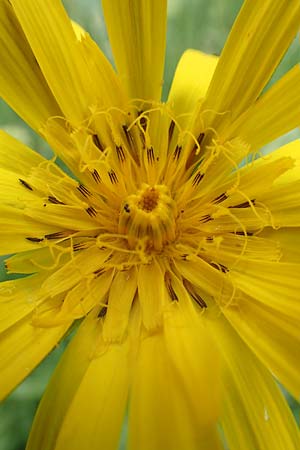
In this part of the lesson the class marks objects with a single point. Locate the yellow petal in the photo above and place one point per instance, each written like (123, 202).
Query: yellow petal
(288, 240)
(274, 114)
(15, 156)
(283, 203)
(137, 33)
(17, 299)
(174, 399)
(22, 347)
(20, 233)
(259, 38)
(251, 419)
(52, 39)
(22, 84)
(272, 335)
(190, 83)
(151, 293)
(121, 295)
(291, 150)
(84, 404)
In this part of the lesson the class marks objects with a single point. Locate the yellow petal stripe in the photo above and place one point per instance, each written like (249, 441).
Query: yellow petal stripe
(190, 83)
(86, 397)
(15, 156)
(53, 41)
(260, 36)
(174, 400)
(137, 33)
(274, 114)
(273, 337)
(22, 347)
(22, 84)
(257, 418)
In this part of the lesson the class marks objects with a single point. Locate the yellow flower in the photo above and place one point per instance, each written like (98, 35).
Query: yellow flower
(174, 244)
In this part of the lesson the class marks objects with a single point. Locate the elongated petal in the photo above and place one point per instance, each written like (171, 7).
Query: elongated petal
(22, 347)
(137, 32)
(15, 156)
(190, 83)
(288, 240)
(85, 400)
(53, 42)
(22, 84)
(259, 420)
(273, 115)
(151, 294)
(260, 36)
(174, 401)
(272, 335)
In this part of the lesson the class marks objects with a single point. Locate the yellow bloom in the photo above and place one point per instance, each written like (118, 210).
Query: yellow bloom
(181, 263)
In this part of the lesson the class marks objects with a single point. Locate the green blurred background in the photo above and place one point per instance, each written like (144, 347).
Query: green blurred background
(198, 24)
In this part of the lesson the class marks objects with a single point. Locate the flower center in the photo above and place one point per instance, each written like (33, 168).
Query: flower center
(148, 217)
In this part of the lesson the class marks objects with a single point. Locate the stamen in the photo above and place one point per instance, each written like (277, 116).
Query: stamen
(25, 184)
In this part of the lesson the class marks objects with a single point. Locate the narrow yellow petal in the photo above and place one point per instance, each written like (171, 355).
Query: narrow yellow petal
(15, 156)
(22, 347)
(22, 84)
(273, 336)
(17, 299)
(274, 114)
(20, 233)
(190, 83)
(288, 240)
(137, 33)
(52, 39)
(120, 298)
(283, 203)
(259, 38)
(151, 293)
(86, 398)
(251, 419)
(174, 400)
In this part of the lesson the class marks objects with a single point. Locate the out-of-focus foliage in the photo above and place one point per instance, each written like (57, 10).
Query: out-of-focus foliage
(195, 24)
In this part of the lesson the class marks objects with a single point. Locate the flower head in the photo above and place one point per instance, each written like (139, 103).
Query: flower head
(172, 242)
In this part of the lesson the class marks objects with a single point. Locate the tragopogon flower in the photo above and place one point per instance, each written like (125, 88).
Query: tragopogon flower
(173, 244)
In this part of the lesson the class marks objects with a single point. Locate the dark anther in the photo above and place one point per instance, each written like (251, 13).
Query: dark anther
(83, 190)
(54, 200)
(96, 176)
(25, 184)
(126, 208)
(243, 205)
(57, 235)
(220, 198)
(120, 153)
(97, 142)
(102, 312)
(91, 211)
(205, 218)
(243, 233)
(220, 267)
(150, 155)
(170, 288)
(113, 177)
(78, 246)
(171, 130)
(99, 272)
(34, 239)
(197, 178)
(177, 152)
(128, 136)
(194, 295)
